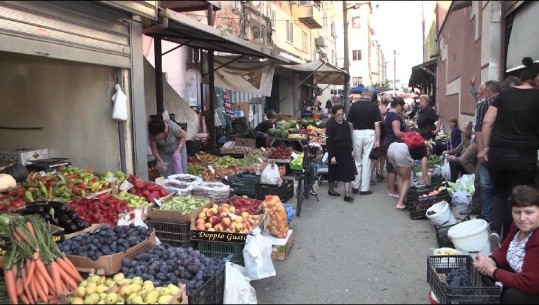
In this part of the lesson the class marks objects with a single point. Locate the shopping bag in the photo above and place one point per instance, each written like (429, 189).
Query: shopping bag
(413, 139)
(461, 198)
(177, 162)
(446, 170)
(257, 256)
(119, 110)
(238, 289)
(270, 175)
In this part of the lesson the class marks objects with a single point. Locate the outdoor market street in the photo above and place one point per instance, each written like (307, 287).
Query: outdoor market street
(364, 252)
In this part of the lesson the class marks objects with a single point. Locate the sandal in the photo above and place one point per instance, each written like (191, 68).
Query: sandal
(333, 193)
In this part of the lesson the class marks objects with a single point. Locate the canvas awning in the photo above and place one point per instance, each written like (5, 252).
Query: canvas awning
(423, 74)
(185, 30)
(323, 72)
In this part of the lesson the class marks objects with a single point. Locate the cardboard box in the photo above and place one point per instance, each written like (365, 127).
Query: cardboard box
(247, 142)
(280, 246)
(107, 264)
(155, 213)
(24, 156)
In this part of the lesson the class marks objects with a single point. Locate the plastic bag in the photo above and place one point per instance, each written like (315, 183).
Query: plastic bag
(119, 110)
(177, 162)
(257, 256)
(238, 289)
(290, 212)
(446, 170)
(270, 175)
(461, 198)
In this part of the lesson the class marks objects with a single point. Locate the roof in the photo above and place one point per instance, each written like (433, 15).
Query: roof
(323, 72)
(185, 30)
(424, 73)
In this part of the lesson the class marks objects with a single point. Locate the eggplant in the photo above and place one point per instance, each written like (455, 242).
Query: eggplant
(36, 209)
(58, 206)
(72, 214)
(64, 220)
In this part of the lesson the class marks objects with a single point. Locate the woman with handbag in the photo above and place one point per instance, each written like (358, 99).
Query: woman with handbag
(339, 147)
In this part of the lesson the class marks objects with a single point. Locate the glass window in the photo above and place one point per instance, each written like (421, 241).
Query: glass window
(356, 24)
(356, 55)
(290, 31)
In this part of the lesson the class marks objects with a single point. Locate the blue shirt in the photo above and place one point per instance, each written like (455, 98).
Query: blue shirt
(390, 135)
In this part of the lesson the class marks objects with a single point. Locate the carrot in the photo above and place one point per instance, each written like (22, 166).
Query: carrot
(69, 269)
(31, 228)
(30, 266)
(40, 268)
(55, 276)
(22, 235)
(33, 290)
(10, 277)
(54, 300)
(24, 299)
(19, 286)
(42, 283)
(41, 294)
(67, 279)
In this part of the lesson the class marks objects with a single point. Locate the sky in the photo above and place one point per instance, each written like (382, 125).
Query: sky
(397, 26)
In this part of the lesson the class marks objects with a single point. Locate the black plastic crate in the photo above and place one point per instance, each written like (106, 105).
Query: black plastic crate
(285, 191)
(221, 250)
(442, 237)
(242, 184)
(418, 206)
(212, 292)
(174, 233)
(481, 289)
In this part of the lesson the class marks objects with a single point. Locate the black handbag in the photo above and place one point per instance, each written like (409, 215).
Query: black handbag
(375, 154)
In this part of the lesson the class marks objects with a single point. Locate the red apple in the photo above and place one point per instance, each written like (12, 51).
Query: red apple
(215, 220)
(226, 221)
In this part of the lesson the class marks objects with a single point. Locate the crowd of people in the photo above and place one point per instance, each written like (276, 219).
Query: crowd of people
(500, 146)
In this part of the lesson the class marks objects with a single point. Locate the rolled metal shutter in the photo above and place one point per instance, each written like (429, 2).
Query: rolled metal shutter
(81, 31)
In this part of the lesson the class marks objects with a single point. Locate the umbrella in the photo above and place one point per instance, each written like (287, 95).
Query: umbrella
(357, 89)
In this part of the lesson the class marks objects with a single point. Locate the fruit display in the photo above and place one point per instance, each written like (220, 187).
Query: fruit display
(184, 205)
(118, 289)
(195, 169)
(297, 163)
(132, 199)
(119, 175)
(245, 204)
(297, 136)
(216, 191)
(102, 209)
(57, 213)
(261, 153)
(163, 265)
(433, 192)
(280, 153)
(206, 158)
(225, 162)
(148, 190)
(278, 225)
(235, 150)
(226, 218)
(105, 241)
(12, 200)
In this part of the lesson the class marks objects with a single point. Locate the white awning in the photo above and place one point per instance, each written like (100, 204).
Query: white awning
(323, 72)
(523, 41)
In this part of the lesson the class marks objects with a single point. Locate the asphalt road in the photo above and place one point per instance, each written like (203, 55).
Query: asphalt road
(361, 252)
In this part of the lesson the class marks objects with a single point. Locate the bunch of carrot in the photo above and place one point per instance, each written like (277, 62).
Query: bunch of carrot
(35, 268)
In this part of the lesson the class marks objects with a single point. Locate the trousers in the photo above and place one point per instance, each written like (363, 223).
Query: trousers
(363, 143)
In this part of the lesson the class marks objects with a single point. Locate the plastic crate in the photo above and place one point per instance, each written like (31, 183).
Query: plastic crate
(220, 250)
(285, 191)
(442, 237)
(481, 289)
(418, 206)
(174, 233)
(242, 184)
(212, 292)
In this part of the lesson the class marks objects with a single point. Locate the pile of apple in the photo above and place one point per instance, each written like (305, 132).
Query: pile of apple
(433, 192)
(226, 218)
(148, 190)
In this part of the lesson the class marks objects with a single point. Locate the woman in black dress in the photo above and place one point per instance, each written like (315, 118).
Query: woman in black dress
(339, 146)
(428, 121)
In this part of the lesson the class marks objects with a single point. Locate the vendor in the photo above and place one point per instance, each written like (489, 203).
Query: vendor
(262, 128)
(167, 141)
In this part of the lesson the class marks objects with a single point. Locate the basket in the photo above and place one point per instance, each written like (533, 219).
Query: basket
(480, 289)
(174, 233)
(212, 292)
(285, 191)
(220, 250)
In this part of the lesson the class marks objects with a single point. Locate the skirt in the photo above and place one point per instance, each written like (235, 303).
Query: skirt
(345, 169)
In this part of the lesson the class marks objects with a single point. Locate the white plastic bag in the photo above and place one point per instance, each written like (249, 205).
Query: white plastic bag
(238, 289)
(257, 256)
(270, 175)
(461, 198)
(446, 170)
(119, 111)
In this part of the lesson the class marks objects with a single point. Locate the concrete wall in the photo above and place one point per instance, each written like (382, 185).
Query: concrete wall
(70, 101)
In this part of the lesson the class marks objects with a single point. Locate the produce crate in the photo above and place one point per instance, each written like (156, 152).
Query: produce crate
(480, 290)
(174, 233)
(285, 191)
(212, 292)
(442, 237)
(418, 206)
(220, 250)
(242, 184)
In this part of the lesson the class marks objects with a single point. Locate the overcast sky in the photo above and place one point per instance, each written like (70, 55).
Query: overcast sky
(397, 25)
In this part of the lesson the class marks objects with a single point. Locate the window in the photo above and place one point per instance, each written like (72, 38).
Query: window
(356, 55)
(305, 42)
(305, 3)
(272, 18)
(235, 5)
(356, 81)
(356, 24)
(290, 31)
(333, 32)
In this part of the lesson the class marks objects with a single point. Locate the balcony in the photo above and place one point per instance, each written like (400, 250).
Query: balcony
(309, 14)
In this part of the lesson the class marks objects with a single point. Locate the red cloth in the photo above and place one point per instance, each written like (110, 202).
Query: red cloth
(528, 279)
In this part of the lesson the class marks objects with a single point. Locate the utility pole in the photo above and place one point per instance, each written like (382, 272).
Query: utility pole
(346, 102)
(394, 72)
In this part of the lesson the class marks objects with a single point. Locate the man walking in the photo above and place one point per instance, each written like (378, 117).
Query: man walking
(365, 117)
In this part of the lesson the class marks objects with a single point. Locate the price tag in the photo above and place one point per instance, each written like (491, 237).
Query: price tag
(211, 169)
(158, 202)
(126, 186)
(42, 173)
(294, 155)
(260, 159)
(111, 179)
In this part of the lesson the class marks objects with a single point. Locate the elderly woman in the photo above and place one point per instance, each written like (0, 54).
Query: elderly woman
(428, 121)
(516, 262)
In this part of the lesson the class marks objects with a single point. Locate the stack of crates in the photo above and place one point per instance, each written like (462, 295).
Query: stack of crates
(174, 233)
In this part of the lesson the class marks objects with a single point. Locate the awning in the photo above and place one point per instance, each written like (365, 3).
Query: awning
(185, 30)
(523, 41)
(323, 72)
(423, 74)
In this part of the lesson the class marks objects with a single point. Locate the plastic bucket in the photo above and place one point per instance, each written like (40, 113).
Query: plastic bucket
(470, 236)
(443, 216)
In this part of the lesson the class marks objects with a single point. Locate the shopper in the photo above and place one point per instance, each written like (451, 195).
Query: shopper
(365, 118)
(167, 141)
(511, 137)
(379, 164)
(516, 262)
(428, 121)
(453, 155)
(394, 126)
(339, 147)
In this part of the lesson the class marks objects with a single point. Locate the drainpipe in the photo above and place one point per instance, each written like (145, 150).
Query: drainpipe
(495, 38)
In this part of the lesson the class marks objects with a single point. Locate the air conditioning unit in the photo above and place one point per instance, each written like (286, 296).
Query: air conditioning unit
(320, 42)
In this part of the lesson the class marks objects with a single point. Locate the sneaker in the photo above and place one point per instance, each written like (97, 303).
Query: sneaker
(349, 199)
(494, 240)
(469, 211)
(365, 193)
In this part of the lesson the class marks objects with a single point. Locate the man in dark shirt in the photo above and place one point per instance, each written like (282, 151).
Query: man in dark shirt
(262, 128)
(365, 117)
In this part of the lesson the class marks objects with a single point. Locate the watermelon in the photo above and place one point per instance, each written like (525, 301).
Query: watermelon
(274, 132)
(284, 134)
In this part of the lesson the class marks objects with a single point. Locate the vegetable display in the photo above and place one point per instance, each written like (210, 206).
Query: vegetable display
(163, 264)
(14, 199)
(280, 152)
(105, 241)
(184, 205)
(132, 199)
(102, 209)
(147, 190)
(245, 204)
(58, 214)
(35, 269)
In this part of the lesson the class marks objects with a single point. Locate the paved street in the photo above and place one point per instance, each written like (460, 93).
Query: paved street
(364, 252)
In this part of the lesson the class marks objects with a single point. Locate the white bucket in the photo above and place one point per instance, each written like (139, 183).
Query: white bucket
(443, 216)
(470, 236)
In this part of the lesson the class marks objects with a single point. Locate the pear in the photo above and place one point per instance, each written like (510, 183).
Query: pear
(173, 289)
(163, 290)
(102, 288)
(91, 288)
(84, 283)
(151, 297)
(137, 280)
(137, 300)
(77, 300)
(118, 277)
(147, 283)
(129, 299)
(164, 299)
(110, 282)
(135, 288)
(102, 280)
(102, 296)
(94, 279)
(125, 290)
(91, 299)
(80, 292)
